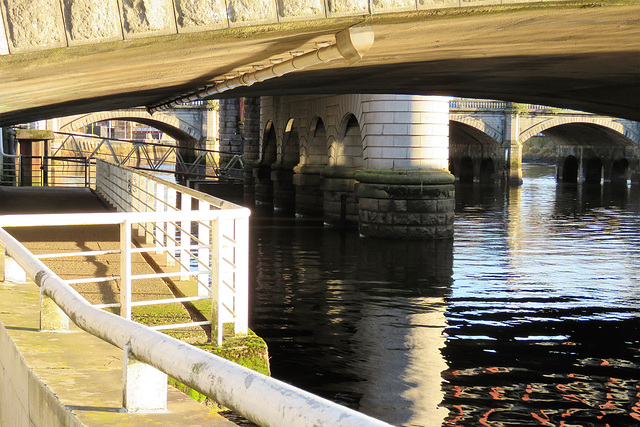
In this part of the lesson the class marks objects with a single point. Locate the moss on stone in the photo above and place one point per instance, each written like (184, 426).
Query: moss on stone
(248, 350)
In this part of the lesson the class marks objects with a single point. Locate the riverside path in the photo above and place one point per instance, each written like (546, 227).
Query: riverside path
(82, 371)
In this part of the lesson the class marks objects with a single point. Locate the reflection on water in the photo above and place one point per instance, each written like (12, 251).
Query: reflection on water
(531, 315)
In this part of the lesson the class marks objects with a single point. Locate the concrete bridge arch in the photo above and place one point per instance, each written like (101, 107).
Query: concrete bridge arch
(185, 133)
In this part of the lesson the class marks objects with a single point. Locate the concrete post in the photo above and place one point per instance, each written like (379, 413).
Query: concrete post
(512, 146)
(52, 318)
(406, 189)
(145, 387)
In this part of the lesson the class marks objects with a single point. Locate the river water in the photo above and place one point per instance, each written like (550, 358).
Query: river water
(530, 315)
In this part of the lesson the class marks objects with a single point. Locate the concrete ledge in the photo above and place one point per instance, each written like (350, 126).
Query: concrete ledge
(69, 379)
(408, 177)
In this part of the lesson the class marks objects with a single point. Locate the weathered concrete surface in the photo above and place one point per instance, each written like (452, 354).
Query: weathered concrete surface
(581, 55)
(78, 370)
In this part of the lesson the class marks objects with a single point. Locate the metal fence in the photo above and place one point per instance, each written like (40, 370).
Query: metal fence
(192, 229)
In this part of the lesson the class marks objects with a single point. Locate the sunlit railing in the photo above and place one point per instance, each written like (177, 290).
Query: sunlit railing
(185, 163)
(187, 226)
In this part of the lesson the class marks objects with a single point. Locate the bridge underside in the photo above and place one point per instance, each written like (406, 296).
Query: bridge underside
(565, 55)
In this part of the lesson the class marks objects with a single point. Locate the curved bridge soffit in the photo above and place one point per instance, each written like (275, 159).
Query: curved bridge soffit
(608, 123)
(479, 125)
(171, 125)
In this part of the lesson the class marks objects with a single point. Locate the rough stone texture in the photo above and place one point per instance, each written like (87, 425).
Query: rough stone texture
(293, 8)
(142, 16)
(196, 13)
(434, 4)
(391, 5)
(406, 211)
(347, 6)
(91, 19)
(251, 10)
(34, 23)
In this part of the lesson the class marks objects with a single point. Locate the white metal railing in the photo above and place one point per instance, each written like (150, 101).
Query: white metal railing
(179, 229)
(261, 399)
(201, 235)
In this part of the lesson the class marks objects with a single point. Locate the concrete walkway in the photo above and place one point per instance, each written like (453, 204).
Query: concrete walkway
(84, 372)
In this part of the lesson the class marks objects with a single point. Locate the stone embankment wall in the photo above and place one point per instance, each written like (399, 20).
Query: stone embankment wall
(24, 399)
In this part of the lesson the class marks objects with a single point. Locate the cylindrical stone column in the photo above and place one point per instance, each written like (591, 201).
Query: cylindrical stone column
(406, 190)
(250, 141)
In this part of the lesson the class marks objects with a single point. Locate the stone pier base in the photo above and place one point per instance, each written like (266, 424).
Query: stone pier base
(340, 203)
(284, 192)
(309, 195)
(406, 204)
(263, 187)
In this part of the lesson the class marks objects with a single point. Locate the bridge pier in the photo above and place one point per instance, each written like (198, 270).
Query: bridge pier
(307, 180)
(406, 189)
(512, 146)
(339, 200)
(596, 164)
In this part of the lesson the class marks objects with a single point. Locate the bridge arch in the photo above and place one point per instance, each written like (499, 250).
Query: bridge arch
(474, 155)
(601, 122)
(479, 125)
(183, 132)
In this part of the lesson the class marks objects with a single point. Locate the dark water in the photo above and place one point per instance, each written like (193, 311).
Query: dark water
(529, 316)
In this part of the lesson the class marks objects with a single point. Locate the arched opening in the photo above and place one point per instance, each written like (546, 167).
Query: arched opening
(263, 186)
(487, 170)
(348, 149)
(570, 169)
(469, 145)
(465, 173)
(290, 150)
(619, 171)
(593, 171)
(269, 150)
(284, 193)
(308, 179)
(316, 153)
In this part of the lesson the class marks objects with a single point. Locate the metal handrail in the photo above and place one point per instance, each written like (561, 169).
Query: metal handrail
(261, 399)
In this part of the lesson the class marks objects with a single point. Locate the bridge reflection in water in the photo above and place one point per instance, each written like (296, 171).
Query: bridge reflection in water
(531, 315)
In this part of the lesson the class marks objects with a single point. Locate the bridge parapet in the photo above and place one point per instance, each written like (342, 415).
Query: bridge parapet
(47, 24)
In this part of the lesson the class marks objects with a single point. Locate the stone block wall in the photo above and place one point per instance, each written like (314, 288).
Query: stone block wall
(44, 24)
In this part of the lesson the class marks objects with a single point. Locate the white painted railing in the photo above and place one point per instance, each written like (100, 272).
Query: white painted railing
(213, 246)
(157, 219)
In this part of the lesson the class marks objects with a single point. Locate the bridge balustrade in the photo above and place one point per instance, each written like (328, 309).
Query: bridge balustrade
(187, 226)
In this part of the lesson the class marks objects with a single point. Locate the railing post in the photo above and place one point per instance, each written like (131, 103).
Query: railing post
(185, 240)
(145, 387)
(125, 269)
(52, 318)
(204, 238)
(241, 300)
(216, 260)
(150, 206)
(171, 228)
(160, 227)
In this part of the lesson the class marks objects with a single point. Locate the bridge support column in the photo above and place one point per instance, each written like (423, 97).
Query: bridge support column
(307, 180)
(406, 190)
(340, 203)
(513, 147)
(284, 192)
(263, 186)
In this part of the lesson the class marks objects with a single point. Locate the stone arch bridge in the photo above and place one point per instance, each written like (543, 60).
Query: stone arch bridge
(325, 155)
(191, 125)
(486, 135)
